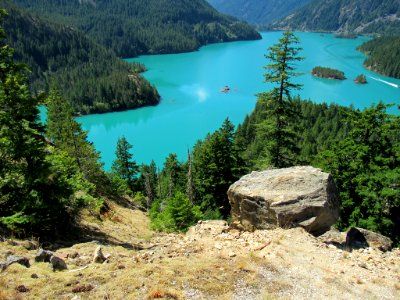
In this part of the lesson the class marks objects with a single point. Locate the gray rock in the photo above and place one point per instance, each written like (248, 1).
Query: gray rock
(57, 264)
(12, 259)
(43, 255)
(362, 238)
(18, 259)
(297, 196)
(98, 256)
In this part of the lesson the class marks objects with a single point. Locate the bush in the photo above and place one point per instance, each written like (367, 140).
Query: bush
(178, 214)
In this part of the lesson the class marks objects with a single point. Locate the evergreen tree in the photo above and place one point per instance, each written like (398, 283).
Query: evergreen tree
(366, 169)
(32, 198)
(190, 182)
(277, 128)
(217, 165)
(150, 180)
(67, 134)
(172, 170)
(178, 214)
(124, 166)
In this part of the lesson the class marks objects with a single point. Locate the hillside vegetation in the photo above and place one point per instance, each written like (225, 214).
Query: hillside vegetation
(91, 77)
(359, 16)
(383, 55)
(258, 12)
(132, 28)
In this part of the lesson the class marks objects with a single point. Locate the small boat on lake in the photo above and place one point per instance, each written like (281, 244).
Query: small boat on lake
(225, 89)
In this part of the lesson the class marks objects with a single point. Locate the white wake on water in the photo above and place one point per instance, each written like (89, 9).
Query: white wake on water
(384, 81)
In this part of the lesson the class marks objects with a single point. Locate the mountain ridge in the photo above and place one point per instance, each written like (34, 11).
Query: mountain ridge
(145, 26)
(353, 16)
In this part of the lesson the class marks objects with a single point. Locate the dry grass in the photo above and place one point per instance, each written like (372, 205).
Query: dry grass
(175, 266)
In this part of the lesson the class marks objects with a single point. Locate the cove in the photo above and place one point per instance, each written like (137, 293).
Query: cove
(193, 105)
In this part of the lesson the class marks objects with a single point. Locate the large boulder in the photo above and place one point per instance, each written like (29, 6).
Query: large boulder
(297, 196)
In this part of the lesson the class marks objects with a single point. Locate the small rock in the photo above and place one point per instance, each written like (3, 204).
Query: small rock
(232, 254)
(57, 264)
(43, 255)
(34, 276)
(363, 265)
(73, 255)
(98, 256)
(22, 289)
(83, 288)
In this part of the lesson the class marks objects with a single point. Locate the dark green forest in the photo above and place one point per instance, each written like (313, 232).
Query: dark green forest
(131, 28)
(91, 77)
(383, 55)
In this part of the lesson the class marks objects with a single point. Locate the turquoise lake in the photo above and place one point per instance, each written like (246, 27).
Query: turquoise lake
(192, 102)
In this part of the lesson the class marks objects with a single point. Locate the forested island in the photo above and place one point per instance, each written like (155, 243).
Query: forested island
(361, 79)
(328, 73)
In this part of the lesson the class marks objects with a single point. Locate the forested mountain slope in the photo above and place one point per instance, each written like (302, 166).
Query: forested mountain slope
(358, 16)
(132, 28)
(258, 12)
(384, 55)
(93, 78)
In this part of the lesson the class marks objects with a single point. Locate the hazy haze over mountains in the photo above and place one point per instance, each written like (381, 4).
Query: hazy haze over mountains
(258, 12)
(358, 16)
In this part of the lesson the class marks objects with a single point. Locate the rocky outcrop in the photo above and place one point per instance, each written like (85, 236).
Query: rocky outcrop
(298, 196)
(362, 238)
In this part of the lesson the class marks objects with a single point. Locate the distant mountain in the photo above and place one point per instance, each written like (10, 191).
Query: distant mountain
(137, 27)
(348, 16)
(258, 12)
(93, 78)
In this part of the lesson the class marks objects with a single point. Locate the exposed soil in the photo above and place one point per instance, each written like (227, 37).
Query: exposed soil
(210, 261)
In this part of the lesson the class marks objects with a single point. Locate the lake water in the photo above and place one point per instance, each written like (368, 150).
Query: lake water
(193, 105)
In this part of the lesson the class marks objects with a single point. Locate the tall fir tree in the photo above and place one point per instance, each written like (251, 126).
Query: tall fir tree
(190, 181)
(366, 168)
(32, 200)
(124, 165)
(149, 176)
(278, 127)
(217, 165)
(67, 134)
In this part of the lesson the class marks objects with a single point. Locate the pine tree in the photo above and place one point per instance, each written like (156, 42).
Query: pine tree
(31, 196)
(150, 177)
(217, 165)
(67, 134)
(366, 169)
(124, 166)
(281, 112)
(190, 182)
